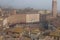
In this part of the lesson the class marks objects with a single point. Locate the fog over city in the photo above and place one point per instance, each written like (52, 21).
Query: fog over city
(38, 4)
(29, 19)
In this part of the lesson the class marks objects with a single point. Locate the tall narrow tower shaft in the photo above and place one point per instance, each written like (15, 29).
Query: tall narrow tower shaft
(54, 8)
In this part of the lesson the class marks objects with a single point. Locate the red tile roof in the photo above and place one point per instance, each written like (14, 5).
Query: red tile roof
(56, 22)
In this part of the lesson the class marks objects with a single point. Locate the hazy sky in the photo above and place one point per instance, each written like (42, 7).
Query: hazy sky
(40, 4)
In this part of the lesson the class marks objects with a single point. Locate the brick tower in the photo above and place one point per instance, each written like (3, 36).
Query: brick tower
(54, 8)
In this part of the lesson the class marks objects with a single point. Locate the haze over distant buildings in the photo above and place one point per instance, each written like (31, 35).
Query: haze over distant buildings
(39, 4)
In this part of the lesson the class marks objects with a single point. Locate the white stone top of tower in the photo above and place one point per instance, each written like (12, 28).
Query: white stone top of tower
(54, 0)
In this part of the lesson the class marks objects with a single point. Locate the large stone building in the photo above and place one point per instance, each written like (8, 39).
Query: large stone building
(23, 18)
